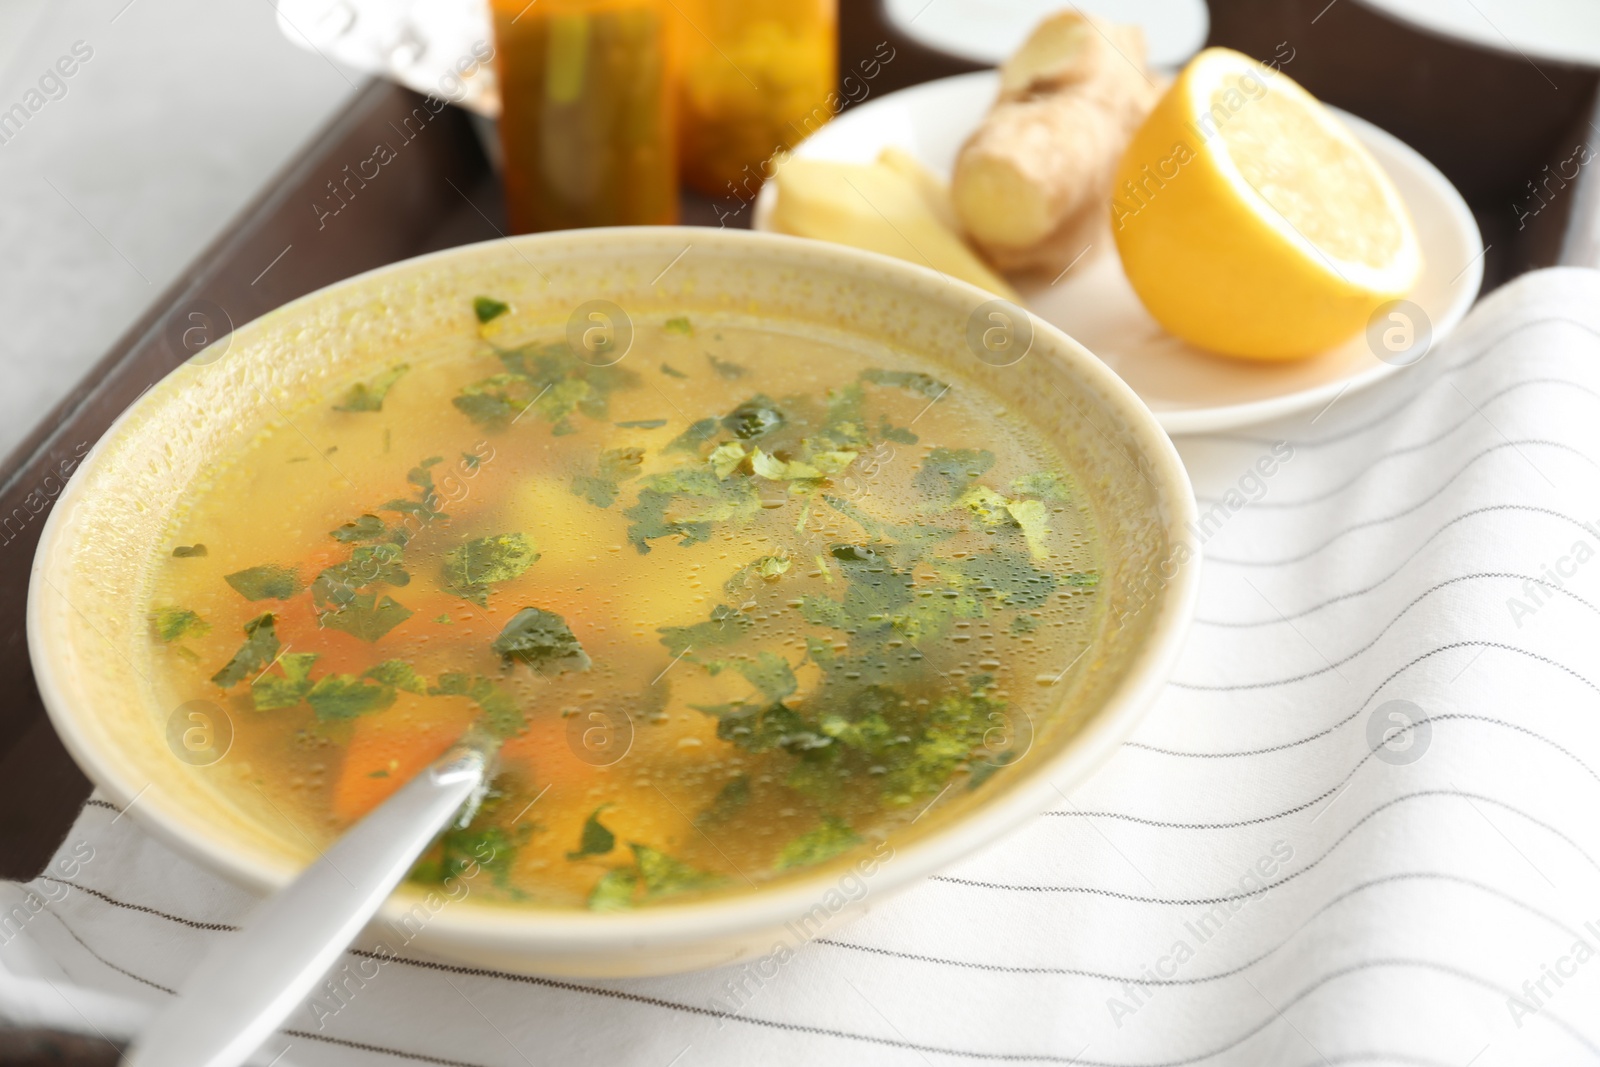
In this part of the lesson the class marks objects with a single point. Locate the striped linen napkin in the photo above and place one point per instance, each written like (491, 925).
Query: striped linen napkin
(1360, 827)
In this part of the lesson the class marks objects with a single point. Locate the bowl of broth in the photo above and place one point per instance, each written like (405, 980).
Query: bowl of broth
(787, 575)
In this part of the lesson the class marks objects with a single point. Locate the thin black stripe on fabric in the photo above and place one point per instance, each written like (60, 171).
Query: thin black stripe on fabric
(1362, 706)
(872, 1039)
(1145, 980)
(1276, 619)
(1408, 399)
(1267, 887)
(1267, 504)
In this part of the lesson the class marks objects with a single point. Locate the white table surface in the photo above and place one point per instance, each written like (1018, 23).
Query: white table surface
(182, 114)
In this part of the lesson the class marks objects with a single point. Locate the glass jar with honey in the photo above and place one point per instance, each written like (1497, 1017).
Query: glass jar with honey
(586, 114)
(756, 77)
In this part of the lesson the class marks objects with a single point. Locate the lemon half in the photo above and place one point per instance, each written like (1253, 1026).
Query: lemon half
(1250, 220)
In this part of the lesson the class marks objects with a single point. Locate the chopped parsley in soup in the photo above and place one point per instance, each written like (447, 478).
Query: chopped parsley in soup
(739, 604)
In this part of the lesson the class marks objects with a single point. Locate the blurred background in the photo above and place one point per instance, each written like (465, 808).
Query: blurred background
(188, 110)
(184, 112)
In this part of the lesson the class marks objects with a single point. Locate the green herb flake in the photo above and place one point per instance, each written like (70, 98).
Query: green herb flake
(769, 672)
(900, 435)
(988, 506)
(174, 624)
(615, 466)
(767, 568)
(845, 425)
(547, 379)
(495, 401)
(731, 800)
(614, 891)
(760, 729)
(664, 876)
(729, 371)
(873, 527)
(472, 568)
(366, 528)
(754, 418)
(595, 840)
(270, 691)
(1048, 486)
(462, 852)
(818, 846)
(727, 458)
(672, 372)
(1005, 577)
(368, 396)
(501, 714)
(909, 380)
(817, 466)
(725, 626)
(540, 638)
(1034, 519)
(266, 582)
(954, 729)
(336, 697)
(487, 309)
(398, 673)
(423, 510)
(366, 616)
(691, 439)
(643, 424)
(188, 551)
(368, 565)
(260, 648)
(680, 325)
(947, 472)
(685, 503)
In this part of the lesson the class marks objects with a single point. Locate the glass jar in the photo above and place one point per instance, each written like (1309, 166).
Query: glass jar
(756, 77)
(586, 114)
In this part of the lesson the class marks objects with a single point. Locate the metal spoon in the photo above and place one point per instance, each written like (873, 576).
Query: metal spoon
(249, 984)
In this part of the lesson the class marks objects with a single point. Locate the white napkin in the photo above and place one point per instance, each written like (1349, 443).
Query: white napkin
(1255, 878)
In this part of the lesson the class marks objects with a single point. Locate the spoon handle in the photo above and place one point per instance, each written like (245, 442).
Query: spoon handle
(244, 989)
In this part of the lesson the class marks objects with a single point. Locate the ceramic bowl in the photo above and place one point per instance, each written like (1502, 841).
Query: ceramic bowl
(87, 621)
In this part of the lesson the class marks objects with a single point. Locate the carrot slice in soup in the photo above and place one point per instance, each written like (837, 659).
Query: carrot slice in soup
(386, 752)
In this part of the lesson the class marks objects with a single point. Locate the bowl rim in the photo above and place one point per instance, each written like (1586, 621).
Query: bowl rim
(503, 927)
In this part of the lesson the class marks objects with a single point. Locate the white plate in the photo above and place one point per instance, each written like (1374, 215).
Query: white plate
(986, 31)
(1190, 390)
(1565, 31)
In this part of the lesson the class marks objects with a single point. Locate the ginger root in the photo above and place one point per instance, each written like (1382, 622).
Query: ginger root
(1032, 183)
(892, 206)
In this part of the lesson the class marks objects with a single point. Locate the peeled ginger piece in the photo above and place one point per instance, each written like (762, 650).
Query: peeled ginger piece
(934, 189)
(893, 206)
(1033, 183)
